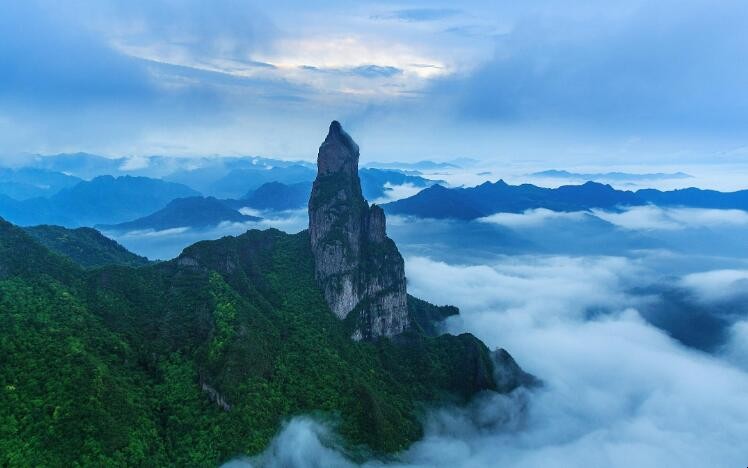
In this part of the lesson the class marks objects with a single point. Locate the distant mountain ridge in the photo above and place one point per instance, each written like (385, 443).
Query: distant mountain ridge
(424, 165)
(277, 196)
(611, 176)
(489, 198)
(102, 200)
(28, 182)
(238, 181)
(191, 212)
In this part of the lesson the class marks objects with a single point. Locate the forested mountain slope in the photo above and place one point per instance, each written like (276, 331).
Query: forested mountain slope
(195, 360)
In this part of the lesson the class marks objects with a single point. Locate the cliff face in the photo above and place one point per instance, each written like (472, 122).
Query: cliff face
(358, 267)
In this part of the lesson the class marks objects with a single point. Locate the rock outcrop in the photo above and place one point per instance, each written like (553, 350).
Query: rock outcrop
(508, 375)
(359, 268)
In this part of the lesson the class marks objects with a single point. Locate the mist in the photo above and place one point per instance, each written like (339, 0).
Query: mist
(169, 243)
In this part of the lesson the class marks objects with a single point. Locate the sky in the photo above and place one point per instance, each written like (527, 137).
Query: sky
(572, 82)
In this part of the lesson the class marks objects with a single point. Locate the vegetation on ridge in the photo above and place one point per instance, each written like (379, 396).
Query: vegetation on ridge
(199, 359)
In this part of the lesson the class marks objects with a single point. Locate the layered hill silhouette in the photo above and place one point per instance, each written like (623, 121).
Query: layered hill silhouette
(489, 198)
(375, 184)
(192, 212)
(105, 199)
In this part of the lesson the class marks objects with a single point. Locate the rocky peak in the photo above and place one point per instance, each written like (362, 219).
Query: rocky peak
(338, 153)
(358, 267)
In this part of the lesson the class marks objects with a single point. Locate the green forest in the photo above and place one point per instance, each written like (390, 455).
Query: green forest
(200, 359)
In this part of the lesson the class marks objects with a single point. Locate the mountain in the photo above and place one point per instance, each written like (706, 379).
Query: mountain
(374, 182)
(437, 202)
(489, 198)
(103, 200)
(277, 196)
(192, 212)
(241, 180)
(83, 165)
(85, 246)
(25, 183)
(207, 173)
(610, 176)
(193, 361)
(696, 198)
(359, 268)
(424, 165)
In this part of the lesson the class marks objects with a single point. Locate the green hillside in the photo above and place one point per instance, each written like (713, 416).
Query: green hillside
(196, 360)
(85, 246)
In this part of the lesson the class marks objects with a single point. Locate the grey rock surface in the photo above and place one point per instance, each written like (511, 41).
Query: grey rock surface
(358, 267)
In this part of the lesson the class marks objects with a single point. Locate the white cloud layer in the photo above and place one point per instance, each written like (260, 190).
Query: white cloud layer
(717, 285)
(657, 218)
(736, 348)
(635, 218)
(396, 192)
(531, 218)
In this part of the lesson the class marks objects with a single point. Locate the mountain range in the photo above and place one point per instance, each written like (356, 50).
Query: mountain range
(28, 182)
(488, 198)
(192, 212)
(102, 200)
(610, 176)
(43, 195)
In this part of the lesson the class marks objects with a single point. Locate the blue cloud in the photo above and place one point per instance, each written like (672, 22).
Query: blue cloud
(365, 71)
(45, 60)
(372, 71)
(420, 14)
(669, 65)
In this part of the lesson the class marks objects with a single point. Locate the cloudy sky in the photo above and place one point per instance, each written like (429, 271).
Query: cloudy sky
(572, 81)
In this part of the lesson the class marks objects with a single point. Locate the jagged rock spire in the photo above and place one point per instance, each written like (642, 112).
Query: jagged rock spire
(338, 153)
(358, 267)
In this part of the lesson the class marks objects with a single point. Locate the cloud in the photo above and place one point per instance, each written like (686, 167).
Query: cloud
(717, 285)
(365, 71)
(135, 163)
(656, 218)
(314, 446)
(420, 14)
(291, 221)
(396, 192)
(48, 60)
(638, 218)
(616, 386)
(167, 244)
(641, 65)
(146, 77)
(375, 71)
(154, 233)
(736, 347)
(531, 218)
